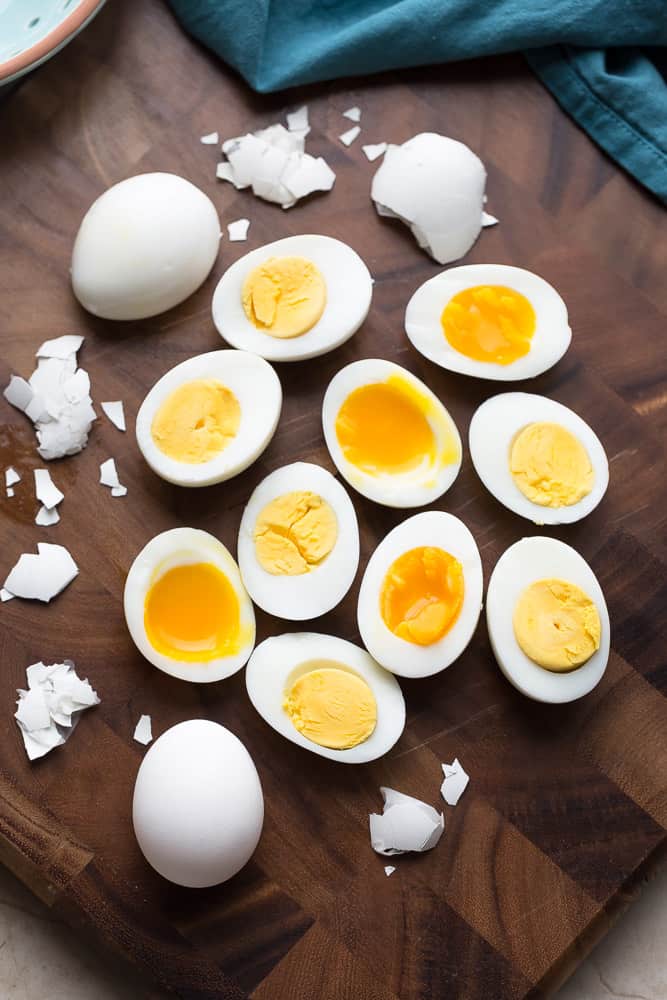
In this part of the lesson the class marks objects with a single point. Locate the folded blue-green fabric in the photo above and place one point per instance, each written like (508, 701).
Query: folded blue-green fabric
(604, 60)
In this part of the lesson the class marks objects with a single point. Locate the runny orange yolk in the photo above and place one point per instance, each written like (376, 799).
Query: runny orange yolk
(191, 613)
(489, 323)
(422, 594)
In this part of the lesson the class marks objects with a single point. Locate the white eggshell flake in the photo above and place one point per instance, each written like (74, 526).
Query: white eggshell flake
(352, 114)
(347, 138)
(310, 594)
(48, 711)
(373, 151)
(406, 824)
(434, 185)
(41, 577)
(455, 783)
(237, 231)
(257, 389)
(524, 563)
(115, 412)
(550, 341)
(493, 428)
(11, 477)
(278, 662)
(408, 659)
(143, 732)
(349, 288)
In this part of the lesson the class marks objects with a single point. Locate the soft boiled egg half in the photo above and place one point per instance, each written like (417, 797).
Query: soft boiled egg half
(327, 695)
(490, 321)
(298, 543)
(209, 418)
(548, 621)
(186, 607)
(538, 458)
(389, 435)
(293, 299)
(421, 595)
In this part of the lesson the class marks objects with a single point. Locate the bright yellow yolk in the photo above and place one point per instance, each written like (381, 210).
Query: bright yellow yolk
(196, 421)
(191, 613)
(557, 625)
(422, 595)
(550, 465)
(294, 533)
(284, 296)
(332, 706)
(489, 323)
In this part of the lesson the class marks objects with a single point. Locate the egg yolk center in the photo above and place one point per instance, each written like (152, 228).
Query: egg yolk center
(422, 594)
(191, 613)
(196, 421)
(284, 296)
(557, 625)
(489, 323)
(550, 465)
(294, 533)
(332, 706)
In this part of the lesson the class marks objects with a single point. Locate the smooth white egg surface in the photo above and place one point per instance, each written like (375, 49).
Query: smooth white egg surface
(523, 564)
(298, 546)
(144, 246)
(389, 436)
(567, 490)
(287, 678)
(186, 607)
(421, 595)
(293, 299)
(198, 807)
(490, 321)
(209, 418)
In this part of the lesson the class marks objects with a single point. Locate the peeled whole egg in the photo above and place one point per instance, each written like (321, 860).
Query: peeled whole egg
(198, 807)
(490, 321)
(144, 246)
(293, 299)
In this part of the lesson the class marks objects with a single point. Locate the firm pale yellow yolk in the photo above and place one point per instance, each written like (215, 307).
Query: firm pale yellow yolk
(557, 625)
(294, 533)
(550, 465)
(196, 421)
(284, 296)
(332, 707)
(422, 594)
(191, 613)
(489, 323)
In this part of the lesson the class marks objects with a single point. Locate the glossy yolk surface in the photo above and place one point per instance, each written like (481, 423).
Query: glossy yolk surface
(294, 533)
(191, 613)
(422, 594)
(489, 323)
(332, 706)
(550, 465)
(196, 421)
(557, 625)
(284, 296)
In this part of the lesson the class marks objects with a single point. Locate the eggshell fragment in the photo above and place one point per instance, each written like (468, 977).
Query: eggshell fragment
(354, 114)
(212, 139)
(347, 138)
(389, 870)
(46, 516)
(238, 230)
(11, 477)
(41, 577)
(406, 824)
(143, 732)
(10, 492)
(115, 412)
(46, 490)
(297, 121)
(455, 783)
(48, 710)
(373, 151)
(109, 477)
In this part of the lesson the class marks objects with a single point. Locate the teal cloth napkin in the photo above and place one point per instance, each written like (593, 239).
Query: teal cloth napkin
(603, 60)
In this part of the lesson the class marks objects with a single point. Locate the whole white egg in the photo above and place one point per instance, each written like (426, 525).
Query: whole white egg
(144, 246)
(198, 807)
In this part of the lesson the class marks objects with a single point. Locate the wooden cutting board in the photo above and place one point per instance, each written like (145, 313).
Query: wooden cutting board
(567, 806)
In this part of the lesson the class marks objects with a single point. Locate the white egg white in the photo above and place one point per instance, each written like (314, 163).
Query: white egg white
(181, 547)
(493, 428)
(310, 594)
(257, 389)
(415, 488)
(280, 660)
(408, 659)
(349, 292)
(552, 332)
(524, 563)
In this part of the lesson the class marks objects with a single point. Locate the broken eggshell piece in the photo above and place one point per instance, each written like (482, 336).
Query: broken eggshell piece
(41, 577)
(406, 824)
(48, 711)
(455, 783)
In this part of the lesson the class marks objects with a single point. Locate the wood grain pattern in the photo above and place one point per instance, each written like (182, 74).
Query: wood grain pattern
(567, 807)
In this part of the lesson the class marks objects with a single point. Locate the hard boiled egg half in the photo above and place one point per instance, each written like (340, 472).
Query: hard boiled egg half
(538, 458)
(186, 607)
(490, 321)
(421, 595)
(327, 695)
(548, 621)
(293, 299)
(298, 542)
(209, 418)
(389, 435)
